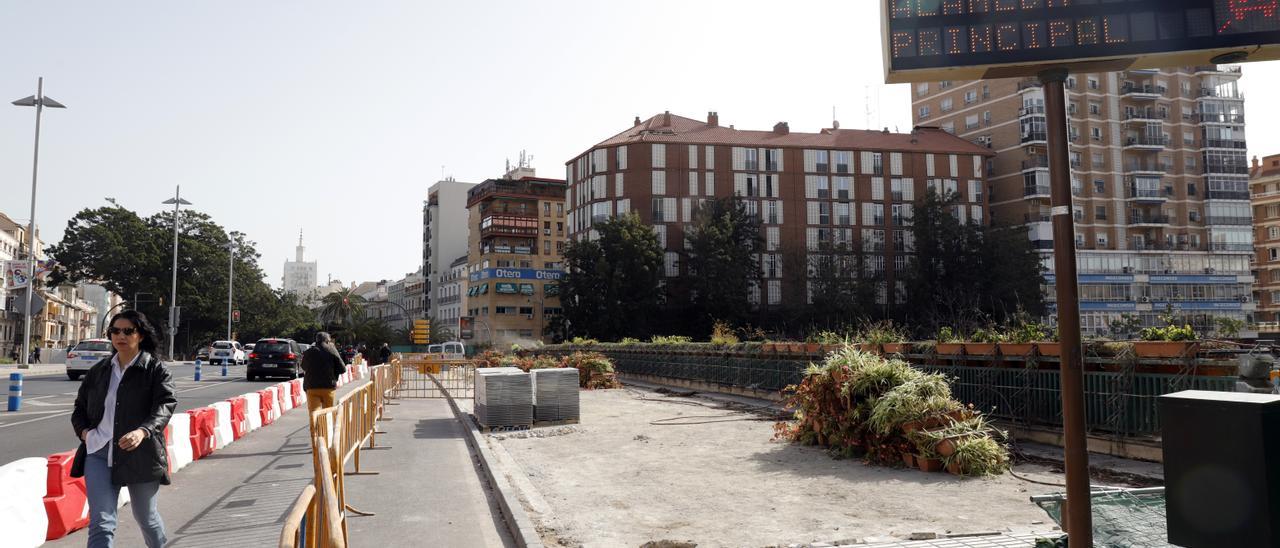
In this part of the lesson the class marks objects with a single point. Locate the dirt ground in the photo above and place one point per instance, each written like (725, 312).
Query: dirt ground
(644, 466)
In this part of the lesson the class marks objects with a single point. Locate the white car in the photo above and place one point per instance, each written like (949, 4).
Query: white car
(83, 355)
(229, 352)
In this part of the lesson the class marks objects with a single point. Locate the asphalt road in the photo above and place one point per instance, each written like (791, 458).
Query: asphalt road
(43, 426)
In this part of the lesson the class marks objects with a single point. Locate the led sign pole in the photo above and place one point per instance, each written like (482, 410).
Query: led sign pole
(1078, 512)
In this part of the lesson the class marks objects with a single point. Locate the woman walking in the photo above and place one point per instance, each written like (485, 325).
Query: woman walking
(120, 413)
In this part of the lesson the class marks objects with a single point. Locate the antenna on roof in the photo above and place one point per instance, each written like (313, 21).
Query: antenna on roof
(866, 102)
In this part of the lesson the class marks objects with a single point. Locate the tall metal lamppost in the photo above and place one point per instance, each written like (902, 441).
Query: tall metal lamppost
(177, 202)
(231, 272)
(40, 102)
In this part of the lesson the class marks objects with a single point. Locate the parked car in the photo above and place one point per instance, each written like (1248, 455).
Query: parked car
(274, 358)
(84, 355)
(247, 349)
(228, 352)
(203, 353)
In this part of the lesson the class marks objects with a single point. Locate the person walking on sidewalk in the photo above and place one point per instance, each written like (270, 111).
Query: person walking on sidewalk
(121, 410)
(35, 355)
(384, 354)
(321, 367)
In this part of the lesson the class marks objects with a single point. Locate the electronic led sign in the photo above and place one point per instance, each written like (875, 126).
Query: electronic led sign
(971, 39)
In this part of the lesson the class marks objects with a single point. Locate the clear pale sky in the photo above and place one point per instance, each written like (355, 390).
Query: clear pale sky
(335, 117)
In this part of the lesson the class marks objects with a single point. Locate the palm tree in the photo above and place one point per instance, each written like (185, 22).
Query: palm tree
(342, 308)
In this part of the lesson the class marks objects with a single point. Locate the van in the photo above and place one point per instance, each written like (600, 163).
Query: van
(452, 350)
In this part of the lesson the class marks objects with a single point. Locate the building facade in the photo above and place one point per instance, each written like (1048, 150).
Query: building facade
(300, 276)
(451, 293)
(514, 252)
(1264, 192)
(444, 233)
(1159, 182)
(13, 246)
(811, 191)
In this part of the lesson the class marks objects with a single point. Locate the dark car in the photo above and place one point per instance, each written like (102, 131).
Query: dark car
(275, 358)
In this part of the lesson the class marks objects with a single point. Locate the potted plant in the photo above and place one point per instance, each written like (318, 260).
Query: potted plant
(884, 337)
(1050, 347)
(983, 342)
(1020, 341)
(948, 343)
(1170, 341)
(978, 455)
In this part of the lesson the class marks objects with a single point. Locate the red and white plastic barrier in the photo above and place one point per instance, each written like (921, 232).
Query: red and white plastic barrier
(286, 395)
(239, 422)
(203, 431)
(66, 502)
(22, 514)
(253, 410)
(299, 395)
(222, 434)
(267, 411)
(178, 441)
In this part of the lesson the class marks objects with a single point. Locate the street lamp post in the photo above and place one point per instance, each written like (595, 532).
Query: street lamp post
(177, 202)
(40, 102)
(231, 272)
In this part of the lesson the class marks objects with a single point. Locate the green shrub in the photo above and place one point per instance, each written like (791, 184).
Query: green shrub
(989, 335)
(946, 335)
(628, 341)
(581, 341)
(669, 340)
(883, 333)
(722, 334)
(1169, 333)
(1027, 333)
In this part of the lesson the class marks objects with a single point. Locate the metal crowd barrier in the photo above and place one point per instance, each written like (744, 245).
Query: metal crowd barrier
(430, 376)
(318, 517)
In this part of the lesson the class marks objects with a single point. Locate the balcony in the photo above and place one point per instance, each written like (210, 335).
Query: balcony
(1217, 246)
(1035, 191)
(1225, 169)
(1233, 144)
(1228, 195)
(1149, 220)
(1146, 142)
(1147, 91)
(1221, 220)
(1035, 162)
(1146, 114)
(1217, 69)
(1028, 84)
(1219, 94)
(1147, 195)
(1032, 110)
(1220, 118)
(1034, 137)
(1144, 168)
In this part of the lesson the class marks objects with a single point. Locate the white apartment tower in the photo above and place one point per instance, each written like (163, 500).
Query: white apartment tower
(300, 275)
(444, 235)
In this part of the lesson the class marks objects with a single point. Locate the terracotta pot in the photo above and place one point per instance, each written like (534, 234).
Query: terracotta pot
(1166, 349)
(950, 349)
(895, 348)
(796, 348)
(1016, 349)
(909, 459)
(1049, 349)
(928, 464)
(947, 446)
(768, 347)
(954, 468)
(980, 349)
(813, 348)
(911, 426)
(829, 348)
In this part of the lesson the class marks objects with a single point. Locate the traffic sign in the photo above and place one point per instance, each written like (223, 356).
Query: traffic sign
(931, 40)
(421, 333)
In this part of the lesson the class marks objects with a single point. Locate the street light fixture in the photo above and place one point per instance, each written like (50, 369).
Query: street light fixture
(177, 202)
(40, 102)
(231, 272)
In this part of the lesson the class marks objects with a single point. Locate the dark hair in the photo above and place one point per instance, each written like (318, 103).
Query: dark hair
(144, 327)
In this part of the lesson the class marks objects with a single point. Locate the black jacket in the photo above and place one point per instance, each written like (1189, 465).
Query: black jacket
(321, 367)
(384, 355)
(145, 400)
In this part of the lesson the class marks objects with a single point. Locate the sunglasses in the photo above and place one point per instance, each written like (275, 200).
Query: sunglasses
(126, 331)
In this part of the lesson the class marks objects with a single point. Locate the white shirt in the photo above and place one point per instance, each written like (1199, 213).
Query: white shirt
(102, 435)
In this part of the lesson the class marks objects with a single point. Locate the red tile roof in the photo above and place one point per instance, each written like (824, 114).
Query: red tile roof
(1268, 167)
(922, 139)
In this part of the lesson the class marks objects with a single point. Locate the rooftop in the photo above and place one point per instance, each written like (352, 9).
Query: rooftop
(671, 128)
(526, 187)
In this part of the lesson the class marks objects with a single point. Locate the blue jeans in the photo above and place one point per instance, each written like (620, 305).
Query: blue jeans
(104, 499)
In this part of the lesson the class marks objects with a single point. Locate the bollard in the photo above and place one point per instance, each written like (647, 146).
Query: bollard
(224, 368)
(15, 391)
(197, 370)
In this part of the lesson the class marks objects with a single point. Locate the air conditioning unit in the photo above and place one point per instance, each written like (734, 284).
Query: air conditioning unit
(1144, 299)
(1128, 270)
(1245, 298)
(1168, 271)
(1210, 270)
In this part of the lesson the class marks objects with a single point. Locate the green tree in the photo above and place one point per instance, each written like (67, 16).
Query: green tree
(964, 275)
(132, 256)
(342, 308)
(722, 266)
(612, 287)
(843, 295)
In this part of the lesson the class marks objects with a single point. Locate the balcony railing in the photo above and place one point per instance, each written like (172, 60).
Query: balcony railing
(1225, 143)
(1035, 190)
(1035, 162)
(1226, 169)
(1148, 89)
(1228, 195)
(1153, 219)
(1221, 220)
(1032, 110)
(1146, 141)
(1221, 118)
(1220, 94)
(1215, 246)
(1146, 114)
(1146, 193)
(1201, 69)
(1145, 168)
(1035, 136)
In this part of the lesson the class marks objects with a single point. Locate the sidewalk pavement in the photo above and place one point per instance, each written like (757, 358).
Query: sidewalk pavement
(428, 491)
(36, 370)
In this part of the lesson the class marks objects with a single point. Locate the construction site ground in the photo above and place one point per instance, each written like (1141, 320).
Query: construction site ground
(647, 465)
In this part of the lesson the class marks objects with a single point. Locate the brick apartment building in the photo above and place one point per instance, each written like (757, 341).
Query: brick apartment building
(516, 235)
(1159, 179)
(810, 190)
(1264, 187)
